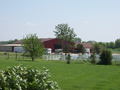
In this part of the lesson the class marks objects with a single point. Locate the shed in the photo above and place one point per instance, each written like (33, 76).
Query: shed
(9, 47)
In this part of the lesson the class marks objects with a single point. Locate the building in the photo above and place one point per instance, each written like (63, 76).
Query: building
(9, 47)
(52, 43)
(87, 46)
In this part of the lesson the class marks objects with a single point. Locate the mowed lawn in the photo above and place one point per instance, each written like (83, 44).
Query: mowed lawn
(75, 76)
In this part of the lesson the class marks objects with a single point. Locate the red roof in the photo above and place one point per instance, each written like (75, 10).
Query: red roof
(17, 42)
(46, 39)
(42, 40)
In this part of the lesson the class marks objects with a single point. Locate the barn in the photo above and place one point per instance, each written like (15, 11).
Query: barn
(52, 43)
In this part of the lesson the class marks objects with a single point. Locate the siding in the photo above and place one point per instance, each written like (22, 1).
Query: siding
(6, 48)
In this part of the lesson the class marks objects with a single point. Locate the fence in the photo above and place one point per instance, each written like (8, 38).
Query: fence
(53, 57)
(11, 55)
(75, 57)
(6, 55)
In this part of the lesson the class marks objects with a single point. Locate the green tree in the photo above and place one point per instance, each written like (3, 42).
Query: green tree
(93, 58)
(102, 43)
(117, 43)
(79, 39)
(80, 48)
(106, 57)
(112, 45)
(97, 48)
(91, 41)
(65, 35)
(32, 46)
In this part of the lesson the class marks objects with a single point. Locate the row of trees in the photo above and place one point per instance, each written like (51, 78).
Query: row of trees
(111, 45)
(8, 42)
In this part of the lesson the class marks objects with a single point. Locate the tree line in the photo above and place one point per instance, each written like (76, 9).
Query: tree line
(112, 45)
(9, 41)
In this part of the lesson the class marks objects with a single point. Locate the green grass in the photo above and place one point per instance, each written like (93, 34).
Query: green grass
(75, 76)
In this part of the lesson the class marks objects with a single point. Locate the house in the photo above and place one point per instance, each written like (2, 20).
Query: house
(87, 46)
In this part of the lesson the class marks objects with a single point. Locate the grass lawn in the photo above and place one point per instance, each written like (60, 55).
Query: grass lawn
(75, 76)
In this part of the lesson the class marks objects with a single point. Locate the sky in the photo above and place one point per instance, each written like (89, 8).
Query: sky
(97, 20)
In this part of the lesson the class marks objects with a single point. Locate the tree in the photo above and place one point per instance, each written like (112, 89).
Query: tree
(79, 39)
(106, 57)
(93, 58)
(91, 41)
(80, 48)
(97, 48)
(112, 45)
(102, 43)
(117, 43)
(32, 46)
(65, 35)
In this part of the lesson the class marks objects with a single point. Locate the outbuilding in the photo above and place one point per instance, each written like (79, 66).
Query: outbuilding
(53, 43)
(9, 47)
(87, 46)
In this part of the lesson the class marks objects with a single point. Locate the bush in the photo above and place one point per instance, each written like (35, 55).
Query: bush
(68, 59)
(93, 58)
(26, 78)
(106, 57)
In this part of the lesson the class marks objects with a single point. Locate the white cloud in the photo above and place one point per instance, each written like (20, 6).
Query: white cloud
(31, 24)
(85, 22)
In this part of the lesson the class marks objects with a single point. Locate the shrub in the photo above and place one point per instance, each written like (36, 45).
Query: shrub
(68, 59)
(106, 57)
(26, 78)
(93, 58)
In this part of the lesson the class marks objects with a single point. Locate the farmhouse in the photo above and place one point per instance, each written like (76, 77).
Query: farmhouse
(52, 43)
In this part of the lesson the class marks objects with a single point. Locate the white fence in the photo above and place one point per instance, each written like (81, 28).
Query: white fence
(75, 57)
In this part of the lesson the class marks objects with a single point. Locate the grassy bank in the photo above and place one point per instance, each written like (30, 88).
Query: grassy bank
(75, 76)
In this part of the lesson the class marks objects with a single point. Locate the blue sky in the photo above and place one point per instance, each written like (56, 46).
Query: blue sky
(97, 20)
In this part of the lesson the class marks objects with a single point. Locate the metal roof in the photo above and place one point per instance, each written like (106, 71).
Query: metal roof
(17, 45)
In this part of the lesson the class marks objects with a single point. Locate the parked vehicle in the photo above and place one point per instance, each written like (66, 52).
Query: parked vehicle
(19, 49)
(58, 51)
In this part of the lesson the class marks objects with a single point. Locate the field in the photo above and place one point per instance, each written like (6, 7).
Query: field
(75, 76)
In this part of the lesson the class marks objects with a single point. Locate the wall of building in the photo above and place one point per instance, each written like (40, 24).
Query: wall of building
(50, 44)
(6, 48)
